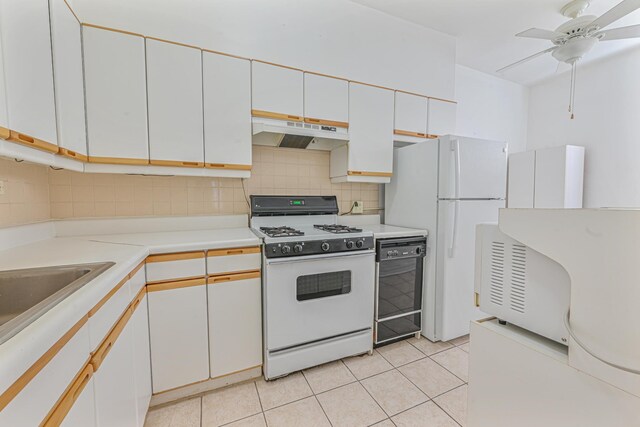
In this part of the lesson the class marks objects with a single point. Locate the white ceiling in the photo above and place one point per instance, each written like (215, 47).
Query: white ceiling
(485, 31)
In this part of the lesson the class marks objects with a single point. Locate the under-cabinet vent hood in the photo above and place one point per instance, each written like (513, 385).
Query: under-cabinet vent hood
(297, 134)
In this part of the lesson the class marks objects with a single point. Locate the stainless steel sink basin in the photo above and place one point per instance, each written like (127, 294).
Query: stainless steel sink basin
(27, 294)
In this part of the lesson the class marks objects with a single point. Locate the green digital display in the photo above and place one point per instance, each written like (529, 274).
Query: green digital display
(297, 202)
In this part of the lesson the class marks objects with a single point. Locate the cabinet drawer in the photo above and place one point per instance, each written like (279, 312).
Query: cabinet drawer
(168, 267)
(34, 402)
(107, 312)
(233, 260)
(76, 407)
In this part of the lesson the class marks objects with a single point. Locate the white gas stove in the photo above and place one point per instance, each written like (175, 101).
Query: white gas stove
(318, 283)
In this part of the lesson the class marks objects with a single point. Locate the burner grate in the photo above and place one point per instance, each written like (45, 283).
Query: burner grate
(281, 231)
(337, 229)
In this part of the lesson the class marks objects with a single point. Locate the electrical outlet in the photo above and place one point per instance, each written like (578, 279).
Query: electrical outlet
(3, 187)
(358, 207)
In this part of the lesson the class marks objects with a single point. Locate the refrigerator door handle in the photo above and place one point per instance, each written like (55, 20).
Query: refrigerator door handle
(454, 231)
(455, 147)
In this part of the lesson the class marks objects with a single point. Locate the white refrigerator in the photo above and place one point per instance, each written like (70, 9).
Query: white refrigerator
(447, 186)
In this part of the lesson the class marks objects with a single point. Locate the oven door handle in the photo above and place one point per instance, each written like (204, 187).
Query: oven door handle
(286, 260)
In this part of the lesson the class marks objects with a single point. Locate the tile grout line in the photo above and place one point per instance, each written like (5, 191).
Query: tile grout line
(315, 396)
(448, 370)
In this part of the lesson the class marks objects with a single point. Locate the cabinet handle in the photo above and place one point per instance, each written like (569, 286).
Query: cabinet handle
(71, 153)
(235, 252)
(293, 117)
(217, 165)
(313, 120)
(82, 385)
(221, 279)
(191, 163)
(26, 138)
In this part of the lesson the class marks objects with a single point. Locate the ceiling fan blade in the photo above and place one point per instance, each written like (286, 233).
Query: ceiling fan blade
(622, 9)
(629, 32)
(528, 58)
(538, 33)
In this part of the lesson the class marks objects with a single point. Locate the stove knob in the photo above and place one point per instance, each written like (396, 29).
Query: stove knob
(418, 250)
(350, 244)
(286, 249)
(324, 246)
(297, 248)
(359, 243)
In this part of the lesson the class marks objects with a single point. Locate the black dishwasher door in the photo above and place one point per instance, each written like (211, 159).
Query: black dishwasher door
(400, 282)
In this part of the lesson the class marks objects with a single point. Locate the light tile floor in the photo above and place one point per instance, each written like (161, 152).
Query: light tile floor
(410, 383)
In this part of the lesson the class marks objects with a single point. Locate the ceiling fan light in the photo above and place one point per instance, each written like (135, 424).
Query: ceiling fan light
(574, 49)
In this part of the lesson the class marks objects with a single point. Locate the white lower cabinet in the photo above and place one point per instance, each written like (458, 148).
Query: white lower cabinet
(178, 333)
(83, 411)
(142, 357)
(235, 323)
(114, 380)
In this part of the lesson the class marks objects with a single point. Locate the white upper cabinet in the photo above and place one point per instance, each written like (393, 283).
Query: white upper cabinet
(69, 80)
(326, 100)
(410, 115)
(174, 85)
(277, 90)
(26, 40)
(116, 94)
(368, 157)
(227, 111)
(442, 118)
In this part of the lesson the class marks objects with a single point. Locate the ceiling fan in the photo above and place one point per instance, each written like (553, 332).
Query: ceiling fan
(575, 38)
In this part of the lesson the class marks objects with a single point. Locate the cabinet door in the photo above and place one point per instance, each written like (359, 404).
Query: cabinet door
(114, 65)
(141, 357)
(410, 115)
(174, 84)
(227, 108)
(69, 80)
(4, 117)
(179, 338)
(238, 347)
(276, 91)
(326, 100)
(442, 118)
(26, 39)
(83, 411)
(370, 129)
(114, 383)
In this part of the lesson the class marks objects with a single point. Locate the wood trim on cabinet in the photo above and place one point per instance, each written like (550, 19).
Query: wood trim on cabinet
(229, 166)
(106, 298)
(223, 278)
(278, 116)
(277, 65)
(442, 99)
(30, 141)
(115, 30)
(136, 301)
(178, 163)
(326, 75)
(217, 52)
(69, 397)
(98, 356)
(432, 136)
(409, 133)
(171, 42)
(72, 154)
(326, 122)
(14, 389)
(179, 256)
(73, 12)
(372, 85)
(118, 161)
(234, 251)
(4, 133)
(365, 173)
(177, 284)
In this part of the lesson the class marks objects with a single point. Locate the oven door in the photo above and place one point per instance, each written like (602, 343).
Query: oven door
(312, 298)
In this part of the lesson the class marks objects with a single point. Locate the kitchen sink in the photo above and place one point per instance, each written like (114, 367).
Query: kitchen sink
(27, 294)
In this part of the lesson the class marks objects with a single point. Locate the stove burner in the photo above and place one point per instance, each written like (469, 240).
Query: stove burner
(337, 229)
(281, 231)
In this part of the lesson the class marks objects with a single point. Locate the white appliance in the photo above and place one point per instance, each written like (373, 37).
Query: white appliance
(519, 285)
(447, 186)
(297, 134)
(318, 283)
(546, 178)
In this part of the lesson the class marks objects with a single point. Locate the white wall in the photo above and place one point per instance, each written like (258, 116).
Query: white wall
(491, 108)
(336, 37)
(607, 123)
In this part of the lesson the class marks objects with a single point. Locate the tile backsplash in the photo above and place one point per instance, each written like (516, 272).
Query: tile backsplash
(275, 171)
(24, 193)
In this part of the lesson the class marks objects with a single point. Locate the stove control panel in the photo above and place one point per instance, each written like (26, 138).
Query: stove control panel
(316, 247)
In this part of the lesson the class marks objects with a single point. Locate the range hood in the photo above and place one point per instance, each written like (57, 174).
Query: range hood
(297, 134)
